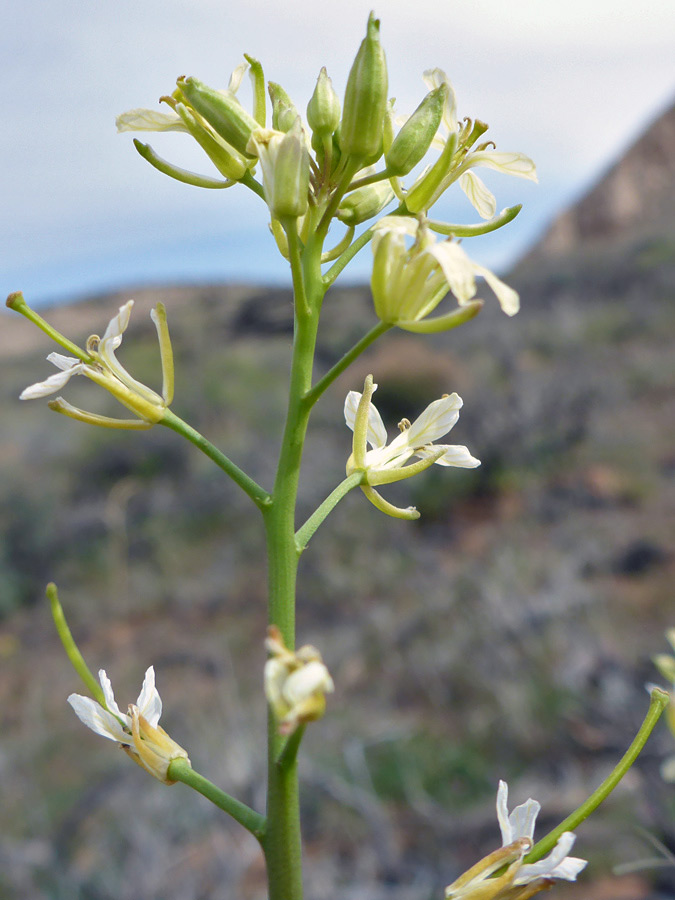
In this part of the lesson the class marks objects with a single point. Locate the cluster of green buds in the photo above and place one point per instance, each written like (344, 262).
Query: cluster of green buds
(345, 162)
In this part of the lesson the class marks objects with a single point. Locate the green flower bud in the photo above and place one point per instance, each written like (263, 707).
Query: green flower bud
(415, 137)
(284, 161)
(228, 162)
(323, 109)
(222, 111)
(365, 98)
(364, 203)
(284, 112)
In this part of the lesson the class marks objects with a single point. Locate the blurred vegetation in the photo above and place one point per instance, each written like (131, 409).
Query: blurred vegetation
(505, 634)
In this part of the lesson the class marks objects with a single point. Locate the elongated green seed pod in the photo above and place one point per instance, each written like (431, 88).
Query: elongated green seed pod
(365, 98)
(222, 111)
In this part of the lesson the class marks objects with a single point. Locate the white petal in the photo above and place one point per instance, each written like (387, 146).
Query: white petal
(434, 78)
(311, 679)
(454, 455)
(98, 719)
(509, 163)
(401, 226)
(523, 818)
(480, 196)
(377, 433)
(50, 385)
(508, 298)
(110, 701)
(63, 362)
(457, 268)
(236, 77)
(149, 120)
(556, 865)
(149, 702)
(503, 813)
(668, 769)
(112, 337)
(436, 420)
(275, 675)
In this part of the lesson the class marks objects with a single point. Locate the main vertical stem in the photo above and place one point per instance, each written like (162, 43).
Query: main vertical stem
(282, 839)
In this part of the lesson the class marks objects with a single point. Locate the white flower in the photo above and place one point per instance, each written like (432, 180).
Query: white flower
(458, 141)
(151, 120)
(386, 462)
(520, 824)
(407, 283)
(295, 683)
(104, 368)
(138, 731)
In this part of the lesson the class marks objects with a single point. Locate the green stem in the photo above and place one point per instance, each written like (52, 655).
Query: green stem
(259, 496)
(180, 770)
(347, 257)
(282, 842)
(306, 532)
(17, 302)
(313, 395)
(249, 181)
(369, 179)
(71, 648)
(659, 701)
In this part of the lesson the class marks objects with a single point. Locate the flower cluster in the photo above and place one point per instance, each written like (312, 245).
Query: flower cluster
(138, 732)
(503, 874)
(409, 283)
(386, 461)
(296, 684)
(99, 364)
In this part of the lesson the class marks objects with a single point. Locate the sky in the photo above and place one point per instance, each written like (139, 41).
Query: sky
(570, 84)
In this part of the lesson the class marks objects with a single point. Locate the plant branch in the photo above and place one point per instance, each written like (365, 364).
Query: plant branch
(259, 496)
(659, 701)
(180, 770)
(305, 533)
(317, 390)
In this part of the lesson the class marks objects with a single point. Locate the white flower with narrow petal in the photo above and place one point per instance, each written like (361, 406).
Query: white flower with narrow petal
(151, 120)
(408, 283)
(386, 461)
(100, 364)
(520, 824)
(459, 155)
(138, 732)
(296, 684)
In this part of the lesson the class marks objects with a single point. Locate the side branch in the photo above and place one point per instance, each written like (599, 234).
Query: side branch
(314, 393)
(660, 700)
(180, 770)
(258, 494)
(305, 533)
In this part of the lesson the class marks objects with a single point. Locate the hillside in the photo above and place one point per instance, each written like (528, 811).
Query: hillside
(559, 547)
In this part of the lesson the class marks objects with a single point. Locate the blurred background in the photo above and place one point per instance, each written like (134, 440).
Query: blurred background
(508, 633)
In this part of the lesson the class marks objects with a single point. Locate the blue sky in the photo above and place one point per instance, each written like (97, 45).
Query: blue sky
(569, 84)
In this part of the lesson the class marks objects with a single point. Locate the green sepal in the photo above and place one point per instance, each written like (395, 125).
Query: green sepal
(445, 322)
(184, 175)
(431, 185)
(258, 79)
